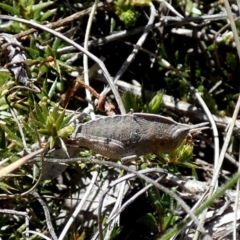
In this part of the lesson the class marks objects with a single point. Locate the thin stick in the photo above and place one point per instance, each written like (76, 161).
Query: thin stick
(85, 59)
(61, 22)
(138, 44)
(10, 168)
(38, 234)
(47, 215)
(79, 207)
(233, 26)
(14, 114)
(236, 205)
(131, 200)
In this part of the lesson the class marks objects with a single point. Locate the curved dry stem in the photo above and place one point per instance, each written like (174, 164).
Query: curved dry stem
(131, 200)
(85, 58)
(10, 168)
(15, 115)
(79, 207)
(138, 44)
(47, 215)
(117, 205)
(136, 47)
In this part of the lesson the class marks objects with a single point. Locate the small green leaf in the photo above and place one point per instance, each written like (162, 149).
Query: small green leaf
(42, 5)
(52, 90)
(139, 3)
(131, 101)
(155, 105)
(4, 77)
(49, 52)
(65, 66)
(169, 220)
(55, 113)
(4, 107)
(42, 70)
(33, 53)
(59, 120)
(44, 131)
(57, 67)
(17, 234)
(5, 187)
(149, 220)
(66, 56)
(37, 15)
(60, 86)
(56, 44)
(48, 14)
(189, 7)
(67, 120)
(39, 114)
(49, 123)
(45, 110)
(65, 132)
(54, 132)
(155, 198)
(12, 135)
(51, 142)
(9, 9)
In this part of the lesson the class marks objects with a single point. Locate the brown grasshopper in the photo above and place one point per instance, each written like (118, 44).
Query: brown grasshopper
(132, 135)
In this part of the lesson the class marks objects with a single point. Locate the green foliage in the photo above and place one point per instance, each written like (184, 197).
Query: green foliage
(191, 9)
(12, 136)
(211, 103)
(127, 12)
(128, 16)
(131, 102)
(163, 206)
(155, 105)
(9, 9)
(5, 187)
(181, 156)
(137, 104)
(8, 127)
(149, 220)
(115, 233)
(18, 233)
(29, 9)
(51, 123)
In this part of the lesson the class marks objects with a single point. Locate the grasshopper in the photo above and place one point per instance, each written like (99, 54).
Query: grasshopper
(130, 136)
